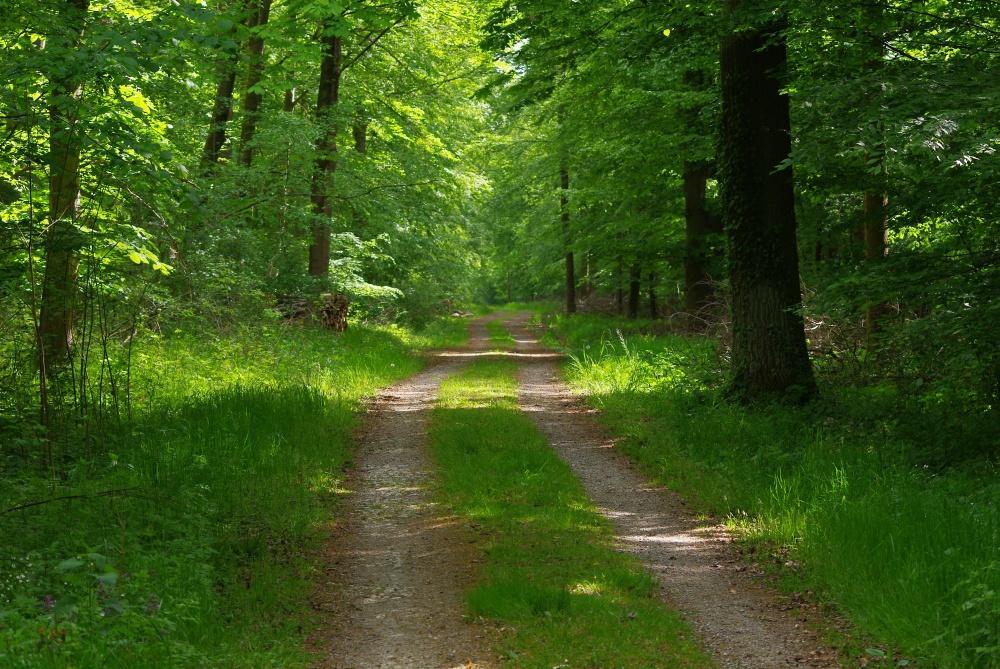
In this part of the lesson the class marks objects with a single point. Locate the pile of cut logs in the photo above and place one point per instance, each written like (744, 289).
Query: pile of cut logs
(329, 309)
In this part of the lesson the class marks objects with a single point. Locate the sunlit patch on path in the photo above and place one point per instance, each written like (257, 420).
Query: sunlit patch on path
(498, 354)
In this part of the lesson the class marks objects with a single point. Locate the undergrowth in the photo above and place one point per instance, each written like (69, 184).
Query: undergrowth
(882, 503)
(562, 594)
(184, 535)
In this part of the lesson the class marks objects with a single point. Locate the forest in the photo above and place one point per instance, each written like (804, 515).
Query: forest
(499, 333)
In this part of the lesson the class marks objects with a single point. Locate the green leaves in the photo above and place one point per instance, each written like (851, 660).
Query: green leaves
(143, 256)
(70, 564)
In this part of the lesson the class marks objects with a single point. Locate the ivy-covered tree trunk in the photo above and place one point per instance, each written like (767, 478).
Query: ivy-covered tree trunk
(567, 238)
(769, 355)
(327, 98)
(634, 291)
(252, 96)
(699, 226)
(62, 238)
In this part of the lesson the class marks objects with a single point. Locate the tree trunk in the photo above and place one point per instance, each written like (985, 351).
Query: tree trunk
(654, 311)
(876, 198)
(634, 291)
(360, 132)
(62, 239)
(222, 108)
(326, 155)
(876, 209)
(769, 349)
(700, 224)
(620, 286)
(564, 215)
(252, 97)
(222, 111)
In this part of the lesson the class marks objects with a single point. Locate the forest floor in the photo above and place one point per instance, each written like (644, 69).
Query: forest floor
(404, 551)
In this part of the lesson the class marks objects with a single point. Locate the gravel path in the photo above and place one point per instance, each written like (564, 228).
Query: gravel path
(396, 570)
(742, 624)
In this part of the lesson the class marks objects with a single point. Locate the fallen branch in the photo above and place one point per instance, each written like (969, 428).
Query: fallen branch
(105, 493)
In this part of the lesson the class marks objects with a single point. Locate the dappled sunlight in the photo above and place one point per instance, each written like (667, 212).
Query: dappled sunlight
(399, 488)
(551, 567)
(587, 588)
(688, 557)
(499, 354)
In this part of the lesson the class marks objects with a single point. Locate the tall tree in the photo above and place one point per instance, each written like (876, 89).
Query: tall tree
(222, 101)
(564, 216)
(700, 226)
(769, 355)
(252, 96)
(875, 209)
(327, 98)
(55, 326)
(654, 310)
(379, 20)
(634, 290)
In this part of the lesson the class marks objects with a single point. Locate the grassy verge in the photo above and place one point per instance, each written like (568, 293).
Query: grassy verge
(848, 497)
(561, 593)
(199, 556)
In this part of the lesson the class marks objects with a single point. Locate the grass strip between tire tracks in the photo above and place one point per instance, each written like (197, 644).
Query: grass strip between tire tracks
(552, 580)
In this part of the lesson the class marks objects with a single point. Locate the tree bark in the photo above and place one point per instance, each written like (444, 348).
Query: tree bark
(222, 111)
(252, 98)
(876, 209)
(567, 239)
(699, 226)
(634, 291)
(222, 107)
(654, 311)
(327, 98)
(360, 132)
(565, 218)
(769, 355)
(62, 238)
(620, 286)
(876, 198)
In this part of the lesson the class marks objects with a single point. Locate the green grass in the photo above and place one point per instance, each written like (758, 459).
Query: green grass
(500, 337)
(851, 492)
(535, 307)
(228, 471)
(552, 581)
